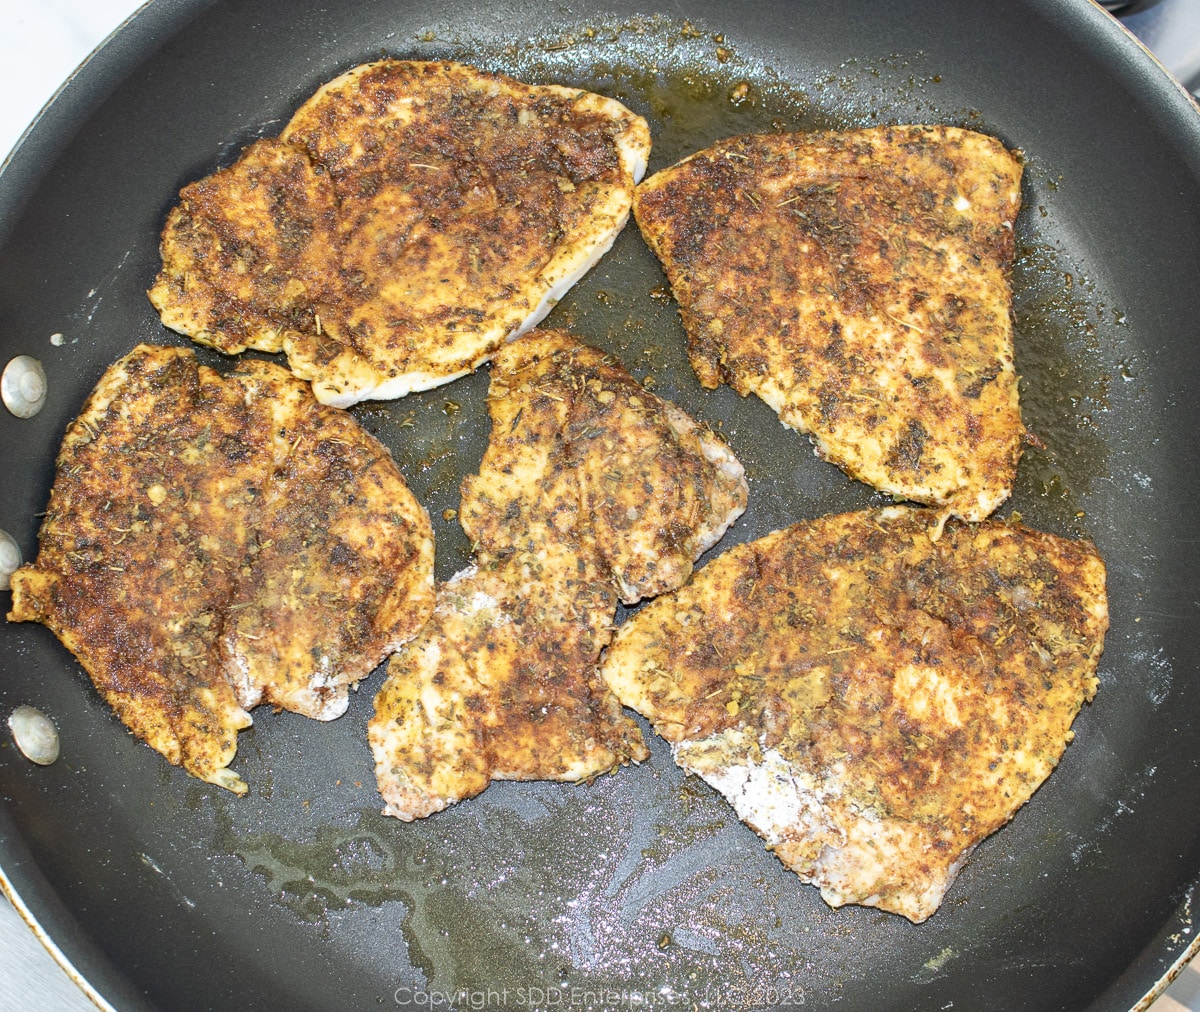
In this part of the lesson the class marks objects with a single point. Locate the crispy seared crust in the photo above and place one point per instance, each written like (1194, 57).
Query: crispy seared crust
(132, 600)
(574, 433)
(341, 570)
(410, 218)
(590, 487)
(501, 685)
(250, 253)
(858, 282)
(212, 543)
(871, 702)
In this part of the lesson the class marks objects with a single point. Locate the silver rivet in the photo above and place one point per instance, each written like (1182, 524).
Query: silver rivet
(10, 559)
(35, 735)
(23, 386)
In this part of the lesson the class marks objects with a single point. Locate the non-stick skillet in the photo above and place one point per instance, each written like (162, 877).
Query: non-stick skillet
(640, 888)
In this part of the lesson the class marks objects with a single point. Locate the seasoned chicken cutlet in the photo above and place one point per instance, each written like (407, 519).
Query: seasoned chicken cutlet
(502, 685)
(857, 282)
(410, 218)
(873, 703)
(213, 543)
(340, 569)
(250, 253)
(591, 488)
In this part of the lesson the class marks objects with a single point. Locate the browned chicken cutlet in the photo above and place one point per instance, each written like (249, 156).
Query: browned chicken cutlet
(410, 218)
(858, 282)
(591, 488)
(250, 253)
(213, 543)
(873, 703)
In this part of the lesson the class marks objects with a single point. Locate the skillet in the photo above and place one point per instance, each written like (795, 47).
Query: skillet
(641, 888)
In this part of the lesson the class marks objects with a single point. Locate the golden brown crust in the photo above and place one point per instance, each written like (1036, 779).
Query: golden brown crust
(502, 683)
(130, 572)
(858, 282)
(340, 572)
(250, 252)
(410, 218)
(211, 542)
(654, 488)
(874, 703)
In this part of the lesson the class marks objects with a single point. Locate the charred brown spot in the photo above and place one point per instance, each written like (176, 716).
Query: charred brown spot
(906, 455)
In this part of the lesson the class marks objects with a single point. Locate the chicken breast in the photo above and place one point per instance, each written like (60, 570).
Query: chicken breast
(646, 489)
(411, 218)
(501, 685)
(339, 572)
(251, 253)
(857, 282)
(873, 702)
(590, 488)
(213, 543)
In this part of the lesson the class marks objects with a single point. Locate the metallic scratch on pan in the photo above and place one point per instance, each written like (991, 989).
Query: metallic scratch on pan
(95, 296)
(153, 865)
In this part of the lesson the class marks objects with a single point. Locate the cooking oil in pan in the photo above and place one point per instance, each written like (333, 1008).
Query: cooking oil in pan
(1065, 384)
(528, 887)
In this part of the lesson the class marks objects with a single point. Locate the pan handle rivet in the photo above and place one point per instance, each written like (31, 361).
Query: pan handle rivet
(35, 735)
(10, 559)
(23, 386)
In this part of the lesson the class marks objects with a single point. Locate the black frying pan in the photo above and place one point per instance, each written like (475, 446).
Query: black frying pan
(166, 893)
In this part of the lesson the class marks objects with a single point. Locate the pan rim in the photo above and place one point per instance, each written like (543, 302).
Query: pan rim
(52, 948)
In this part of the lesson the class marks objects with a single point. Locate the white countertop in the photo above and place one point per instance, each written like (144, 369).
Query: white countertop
(41, 44)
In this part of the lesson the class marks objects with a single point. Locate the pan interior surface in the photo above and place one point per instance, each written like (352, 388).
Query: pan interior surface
(641, 888)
